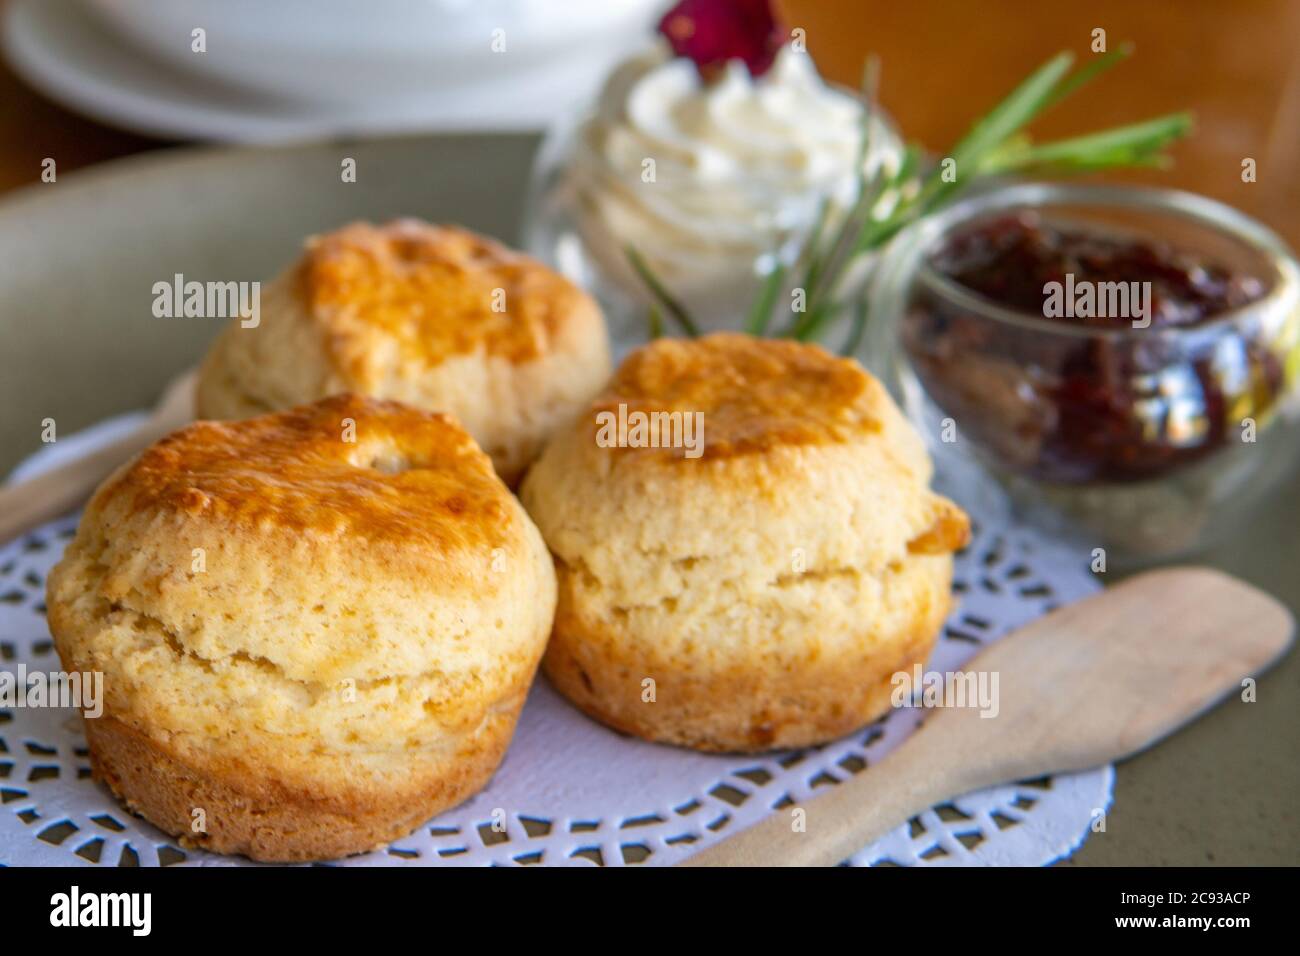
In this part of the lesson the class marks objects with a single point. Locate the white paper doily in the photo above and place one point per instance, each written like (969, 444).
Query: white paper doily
(570, 791)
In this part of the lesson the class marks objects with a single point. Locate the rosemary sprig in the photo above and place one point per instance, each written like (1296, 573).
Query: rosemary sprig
(761, 312)
(812, 251)
(1006, 119)
(1138, 144)
(994, 145)
(828, 261)
(858, 327)
(1086, 74)
(661, 293)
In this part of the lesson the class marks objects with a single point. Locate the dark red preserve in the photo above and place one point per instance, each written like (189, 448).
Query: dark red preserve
(1146, 388)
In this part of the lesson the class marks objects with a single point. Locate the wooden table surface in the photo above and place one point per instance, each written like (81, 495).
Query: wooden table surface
(1218, 792)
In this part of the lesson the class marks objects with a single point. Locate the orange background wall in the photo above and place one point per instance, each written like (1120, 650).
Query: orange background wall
(1236, 63)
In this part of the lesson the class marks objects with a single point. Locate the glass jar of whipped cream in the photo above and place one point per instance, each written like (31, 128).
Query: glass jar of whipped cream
(712, 182)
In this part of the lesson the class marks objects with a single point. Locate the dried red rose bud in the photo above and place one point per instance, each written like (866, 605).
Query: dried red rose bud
(711, 32)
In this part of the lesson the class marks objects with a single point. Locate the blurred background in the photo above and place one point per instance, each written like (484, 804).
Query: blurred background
(84, 78)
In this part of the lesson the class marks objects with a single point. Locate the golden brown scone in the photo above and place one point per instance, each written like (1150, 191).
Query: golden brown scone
(769, 587)
(434, 316)
(318, 643)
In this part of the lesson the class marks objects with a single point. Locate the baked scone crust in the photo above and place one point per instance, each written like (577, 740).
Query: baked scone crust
(248, 813)
(434, 316)
(318, 642)
(770, 587)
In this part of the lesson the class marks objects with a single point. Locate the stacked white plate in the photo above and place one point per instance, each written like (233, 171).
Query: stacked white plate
(297, 69)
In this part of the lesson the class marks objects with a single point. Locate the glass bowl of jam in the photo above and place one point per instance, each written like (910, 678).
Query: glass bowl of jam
(1124, 361)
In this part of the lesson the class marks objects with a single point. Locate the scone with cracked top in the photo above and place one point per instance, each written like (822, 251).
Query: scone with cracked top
(434, 316)
(761, 591)
(316, 627)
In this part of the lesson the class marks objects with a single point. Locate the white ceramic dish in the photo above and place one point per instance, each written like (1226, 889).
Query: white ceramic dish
(349, 51)
(68, 54)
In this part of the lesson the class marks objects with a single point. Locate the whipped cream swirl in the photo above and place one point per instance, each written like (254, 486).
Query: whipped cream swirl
(708, 178)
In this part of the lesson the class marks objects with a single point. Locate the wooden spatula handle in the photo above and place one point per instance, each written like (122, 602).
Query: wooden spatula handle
(29, 504)
(841, 820)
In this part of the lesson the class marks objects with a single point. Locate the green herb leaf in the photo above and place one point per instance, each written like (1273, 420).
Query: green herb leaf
(856, 330)
(1006, 119)
(812, 253)
(761, 313)
(660, 292)
(1087, 74)
(814, 320)
(1135, 143)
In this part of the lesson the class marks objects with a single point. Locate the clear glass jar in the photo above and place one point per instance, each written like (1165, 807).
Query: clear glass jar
(582, 213)
(1147, 442)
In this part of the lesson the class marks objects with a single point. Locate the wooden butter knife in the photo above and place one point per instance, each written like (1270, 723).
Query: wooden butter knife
(1088, 684)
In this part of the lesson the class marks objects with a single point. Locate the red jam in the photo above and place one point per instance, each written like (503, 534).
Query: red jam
(1010, 260)
(1151, 390)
